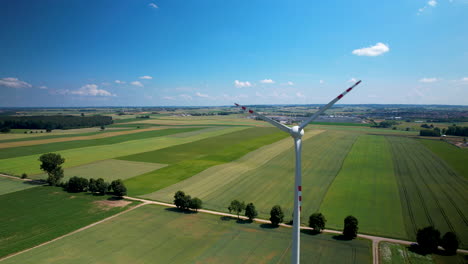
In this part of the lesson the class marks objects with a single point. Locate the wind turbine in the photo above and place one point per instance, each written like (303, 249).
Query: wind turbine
(297, 132)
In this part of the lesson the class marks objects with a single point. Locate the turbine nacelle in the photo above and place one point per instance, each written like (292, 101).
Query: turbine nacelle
(296, 132)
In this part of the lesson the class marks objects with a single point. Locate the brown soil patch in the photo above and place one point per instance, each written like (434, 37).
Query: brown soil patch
(107, 205)
(64, 139)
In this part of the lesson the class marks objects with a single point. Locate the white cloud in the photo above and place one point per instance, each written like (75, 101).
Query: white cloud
(376, 50)
(321, 81)
(300, 95)
(202, 95)
(43, 87)
(290, 83)
(464, 79)
(153, 5)
(352, 80)
(137, 83)
(186, 96)
(240, 84)
(428, 80)
(267, 81)
(90, 90)
(14, 83)
(430, 3)
(119, 82)
(169, 98)
(146, 77)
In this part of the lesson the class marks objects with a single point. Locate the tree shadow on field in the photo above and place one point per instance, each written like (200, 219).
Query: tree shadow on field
(310, 232)
(226, 218)
(243, 221)
(35, 182)
(342, 238)
(115, 198)
(177, 210)
(268, 226)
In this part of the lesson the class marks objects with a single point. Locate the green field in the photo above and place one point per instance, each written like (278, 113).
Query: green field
(60, 146)
(395, 254)
(36, 215)
(366, 188)
(431, 192)
(74, 157)
(457, 158)
(189, 159)
(272, 182)
(153, 234)
(109, 170)
(8, 185)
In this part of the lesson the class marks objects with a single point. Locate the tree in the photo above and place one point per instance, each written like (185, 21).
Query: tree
(103, 127)
(236, 207)
(350, 227)
(118, 188)
(24, 176)
(5, 129)
(276, 215)
(195, 204)
(51, 164)
(101, 186)
(428, 239)
(317, 221)
(450, 243)
(92, 187)
(179, 199)
(77, 184)
(250, 211)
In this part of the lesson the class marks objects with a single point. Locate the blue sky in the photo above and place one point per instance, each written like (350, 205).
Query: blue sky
(213, 52)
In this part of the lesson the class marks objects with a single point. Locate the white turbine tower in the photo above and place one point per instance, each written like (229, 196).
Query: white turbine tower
(297, 132)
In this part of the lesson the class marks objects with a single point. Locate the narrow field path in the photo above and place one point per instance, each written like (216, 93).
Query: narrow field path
(74, 232)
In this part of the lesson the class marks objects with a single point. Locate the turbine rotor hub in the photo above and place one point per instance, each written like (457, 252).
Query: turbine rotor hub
(296, 132)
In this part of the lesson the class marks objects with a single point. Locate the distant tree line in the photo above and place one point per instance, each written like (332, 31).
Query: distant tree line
(430, 132)
(213, 113)
(53, 122)
(457, 131)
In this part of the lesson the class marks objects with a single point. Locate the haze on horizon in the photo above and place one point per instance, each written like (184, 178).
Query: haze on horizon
(205, 53)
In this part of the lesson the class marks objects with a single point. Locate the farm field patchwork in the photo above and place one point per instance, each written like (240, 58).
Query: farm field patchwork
(74, 157)
(55, 132)
(366, 188)
(457, 158)
(109, 170)
(52, 145)
(431, 192)
(272, 182)
(189, 159)
(153, 234)
(33, 216)
(8, 185)
(395, 253)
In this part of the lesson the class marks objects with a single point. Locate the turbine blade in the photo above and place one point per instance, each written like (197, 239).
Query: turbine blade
(324, 108)
(267, 119)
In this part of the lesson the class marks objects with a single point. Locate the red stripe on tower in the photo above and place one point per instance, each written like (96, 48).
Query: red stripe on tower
(299, 188)
(243, 108)
(300, 198)
(340, 96)
(250, 111)
(300, 208)
(236, 104)
(349, 89)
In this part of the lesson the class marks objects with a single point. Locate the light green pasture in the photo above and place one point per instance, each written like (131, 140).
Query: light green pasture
(366, 188)
(152, 234)
(8, 185)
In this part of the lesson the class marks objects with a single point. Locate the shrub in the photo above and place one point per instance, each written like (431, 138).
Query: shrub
(450, 243)
(276, 215)
(77, 184)
(118, 188)
(428, 239)
(317, 221)
(250, 211)
(24, 176)
(350, 227)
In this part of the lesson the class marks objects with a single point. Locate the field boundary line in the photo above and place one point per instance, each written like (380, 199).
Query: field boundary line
(73, 232)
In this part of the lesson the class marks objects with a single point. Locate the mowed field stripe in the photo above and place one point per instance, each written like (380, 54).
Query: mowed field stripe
(192, 158)
(210, 179)
(366, 188)
(272, 182)
(76, 138)
(456, 157)
(432, 193)
(74, 157)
